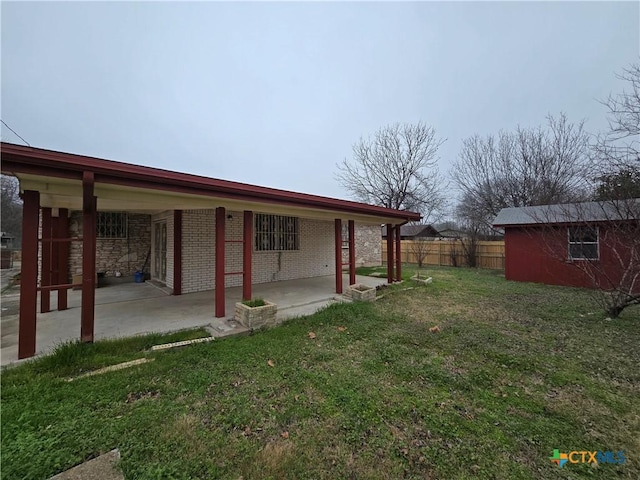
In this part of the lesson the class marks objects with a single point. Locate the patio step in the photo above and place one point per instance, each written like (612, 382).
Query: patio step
(225, 327)
(103, 467)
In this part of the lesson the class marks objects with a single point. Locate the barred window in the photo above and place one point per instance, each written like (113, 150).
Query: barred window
(111, 225)
(583, 243)
(275, 232)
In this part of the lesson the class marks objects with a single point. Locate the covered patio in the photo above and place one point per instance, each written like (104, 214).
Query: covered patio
(128, 309)
(205, 235)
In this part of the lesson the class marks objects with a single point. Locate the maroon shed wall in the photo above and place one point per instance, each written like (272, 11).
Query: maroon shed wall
(540, 254)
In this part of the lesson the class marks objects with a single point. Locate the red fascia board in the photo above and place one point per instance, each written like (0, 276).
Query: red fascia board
(531, 225)
(560, 224)
(12, 165)
(20, 159)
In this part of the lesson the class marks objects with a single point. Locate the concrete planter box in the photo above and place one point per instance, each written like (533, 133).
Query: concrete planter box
(362, 293)
(423, 280)
(256, 317)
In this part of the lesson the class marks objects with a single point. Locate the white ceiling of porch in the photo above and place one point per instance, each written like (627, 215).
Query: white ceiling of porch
(66, 193)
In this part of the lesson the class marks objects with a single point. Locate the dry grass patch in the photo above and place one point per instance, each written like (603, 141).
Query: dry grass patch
(183, 432)
(272, 461)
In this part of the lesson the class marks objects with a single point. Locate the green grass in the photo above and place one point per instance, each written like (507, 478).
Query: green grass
(256, 302)
(516, 371)
(410, 270)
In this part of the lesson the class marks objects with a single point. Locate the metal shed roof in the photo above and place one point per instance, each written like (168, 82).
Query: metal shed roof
(622, 210)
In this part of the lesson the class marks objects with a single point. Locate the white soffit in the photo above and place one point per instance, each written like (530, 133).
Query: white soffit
(67, 193)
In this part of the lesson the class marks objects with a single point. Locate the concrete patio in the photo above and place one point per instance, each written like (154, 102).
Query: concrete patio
(138, 308)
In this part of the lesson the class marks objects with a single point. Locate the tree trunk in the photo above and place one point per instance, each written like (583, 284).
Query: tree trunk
(615, 311)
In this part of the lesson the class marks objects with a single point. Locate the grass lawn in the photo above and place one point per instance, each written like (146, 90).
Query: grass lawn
(516, 371)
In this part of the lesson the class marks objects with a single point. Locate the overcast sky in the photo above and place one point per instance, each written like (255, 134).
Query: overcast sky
(277, 93)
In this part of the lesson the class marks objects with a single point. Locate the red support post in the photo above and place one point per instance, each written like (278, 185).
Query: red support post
(247, 237)
(352, 252)
(62, 277)
(177, 252)
(220, 261)
(45, 272)
(398, 254)
(87, 313)
(29, 274)
(389, 253)
(338, 254)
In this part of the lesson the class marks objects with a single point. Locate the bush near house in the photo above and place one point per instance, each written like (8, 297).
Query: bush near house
(513, 372)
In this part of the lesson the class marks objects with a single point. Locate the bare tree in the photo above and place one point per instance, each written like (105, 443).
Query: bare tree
(535, 166)
(604, 236)
(453, 255)
(11, 213)
(617, 160)
(472, 228)
(397, 168)
(618, 286)
(616, 152)
(618, 185)
(619, 147)
(421, 247)
(601, 241)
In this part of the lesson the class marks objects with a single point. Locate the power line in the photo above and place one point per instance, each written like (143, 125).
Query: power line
(4, 123)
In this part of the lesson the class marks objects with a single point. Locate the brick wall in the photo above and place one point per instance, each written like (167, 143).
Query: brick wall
(198, 250)
(123, 255)
(315, 257)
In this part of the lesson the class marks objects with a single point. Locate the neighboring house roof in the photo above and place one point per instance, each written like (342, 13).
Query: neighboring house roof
(569, 213)
(37, 167)
(412, 231)
(448, 229)
(445, 226)
(6, 235)
(450, 232)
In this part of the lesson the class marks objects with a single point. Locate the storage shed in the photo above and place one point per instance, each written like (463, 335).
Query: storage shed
(591, 244)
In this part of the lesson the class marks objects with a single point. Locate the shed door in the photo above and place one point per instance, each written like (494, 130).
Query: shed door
(160, 251)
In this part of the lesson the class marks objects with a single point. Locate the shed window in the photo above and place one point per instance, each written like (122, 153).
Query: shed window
(111, 225)
(583, 243)
(276, 232)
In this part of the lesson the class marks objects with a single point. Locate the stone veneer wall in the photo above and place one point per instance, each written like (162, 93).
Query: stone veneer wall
(123, 255)
(368, 246)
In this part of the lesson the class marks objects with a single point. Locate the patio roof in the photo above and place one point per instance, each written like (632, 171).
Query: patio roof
(126, 187)
(52, 183)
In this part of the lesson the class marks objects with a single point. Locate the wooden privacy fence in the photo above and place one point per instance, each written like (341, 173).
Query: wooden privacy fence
(490, 254)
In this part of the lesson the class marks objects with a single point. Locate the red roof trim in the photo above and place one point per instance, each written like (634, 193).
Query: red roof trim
(560, 224)
(21, 159)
